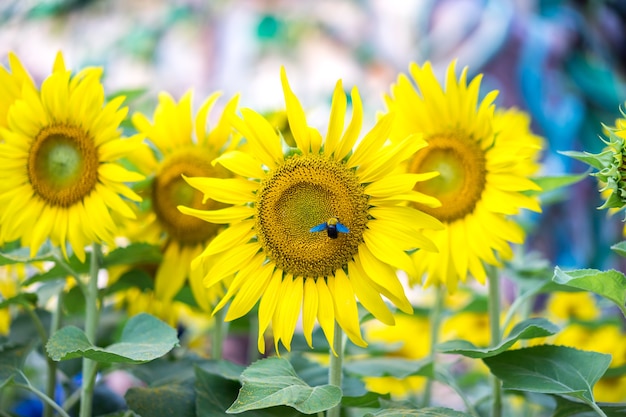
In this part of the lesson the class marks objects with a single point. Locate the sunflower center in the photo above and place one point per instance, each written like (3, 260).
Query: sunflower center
(169, 190)
(63, 165)
(462, 171)
(306, 191)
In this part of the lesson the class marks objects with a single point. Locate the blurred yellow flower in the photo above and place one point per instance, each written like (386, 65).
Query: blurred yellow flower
(412, 334)
(573, 305)
(468, 325)
(58, 163)
(484, 158)
(611, 389)
(608, 339)
(180, 145)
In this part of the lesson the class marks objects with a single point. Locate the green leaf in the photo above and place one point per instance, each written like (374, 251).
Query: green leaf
(394, 367)
(136, 253)
(11, 361)
(620, 248)
(22, 256)
(609, 284)
(167, 400)
(527, 329)
(585, 157)
(550, 370)
(567, 408)
(143, 339)
(58, 271)
(422, 412)
(74, 301)
(367, 400)
(135, 278)
(273, 381)
(551, 183)
(23, 299)
(214, 394)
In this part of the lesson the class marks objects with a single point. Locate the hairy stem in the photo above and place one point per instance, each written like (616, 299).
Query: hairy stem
(494, 322)
(335, 370)
(91, 325)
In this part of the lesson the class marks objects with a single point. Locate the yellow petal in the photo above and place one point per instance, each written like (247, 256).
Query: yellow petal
(388, 254)
(372, 142)
(114, 172)
(384, 278)
(230, 262)
(267, 306)
(295, 115)
(309, 311)
(400, 239)
(235, 235)
(368, 296)
(222, 216)
(289, 310)
(201, 115)
(253, 141)
(172, 272)
(249, 293)
(265, 134)
(337, 117)
(354, 128)
(226, 190)
(326, 312)
(241, 163)
(406, 215)
(396, 184)
(346, 312)
(389, 159)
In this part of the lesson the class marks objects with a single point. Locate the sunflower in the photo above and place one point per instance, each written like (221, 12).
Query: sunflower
(180, 146)
(484, 158)
(314, 227)
(58, 165)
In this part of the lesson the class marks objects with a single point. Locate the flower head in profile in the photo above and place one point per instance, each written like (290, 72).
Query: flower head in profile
(181, 145)
(314, 228)
(59, 166)
(484, 159)
(610, 165)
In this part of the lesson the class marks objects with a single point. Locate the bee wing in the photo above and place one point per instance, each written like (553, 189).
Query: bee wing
(342, 228)
(320, 227)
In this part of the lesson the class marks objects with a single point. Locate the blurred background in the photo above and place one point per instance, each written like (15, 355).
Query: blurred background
(563, 61)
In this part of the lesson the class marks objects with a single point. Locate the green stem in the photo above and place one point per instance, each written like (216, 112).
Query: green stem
(253, 334)
(335, 370)
(219, 334)
(597, 409)
(449, 381)
(435, 324)
(38, 325)
(60, 261)
(91, 325)
(52, 365)
(45, 398)
(494, 322)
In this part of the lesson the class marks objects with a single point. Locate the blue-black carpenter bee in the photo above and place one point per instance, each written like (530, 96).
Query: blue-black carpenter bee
(332, 227)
